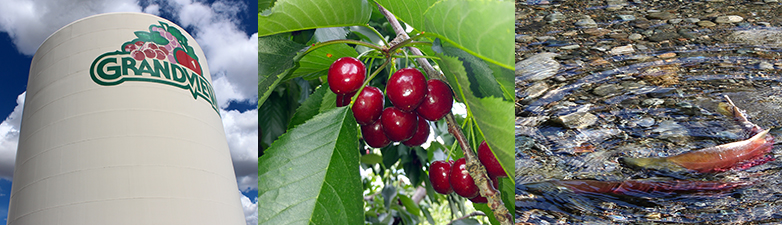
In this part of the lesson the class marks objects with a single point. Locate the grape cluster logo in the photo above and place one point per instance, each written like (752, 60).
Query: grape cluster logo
(160, 55)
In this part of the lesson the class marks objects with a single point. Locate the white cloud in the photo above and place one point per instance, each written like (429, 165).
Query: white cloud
(232, 54)
(29, 23)
(241, 130)
(9, 138)
(153, 9)
(250, 210)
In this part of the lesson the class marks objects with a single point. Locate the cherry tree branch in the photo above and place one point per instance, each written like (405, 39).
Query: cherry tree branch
(474, 167)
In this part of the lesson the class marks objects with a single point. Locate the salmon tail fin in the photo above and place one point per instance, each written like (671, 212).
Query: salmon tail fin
(734, 111)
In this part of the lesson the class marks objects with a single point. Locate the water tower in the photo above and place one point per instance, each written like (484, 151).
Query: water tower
(121, 126)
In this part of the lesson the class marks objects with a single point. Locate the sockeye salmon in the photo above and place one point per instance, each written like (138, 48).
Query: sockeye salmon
(713, 159)
(632, 187)
(740, 154)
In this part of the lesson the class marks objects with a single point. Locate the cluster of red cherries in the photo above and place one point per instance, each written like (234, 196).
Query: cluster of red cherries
(414, 98)
(141, 50)
(450, 176)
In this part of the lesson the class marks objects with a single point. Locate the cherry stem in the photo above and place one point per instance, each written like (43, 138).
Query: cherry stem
(340, 41)
(366, 82)
(474, 167)
(376, 33)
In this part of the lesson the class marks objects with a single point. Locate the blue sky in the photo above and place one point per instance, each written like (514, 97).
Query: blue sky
(225, 30)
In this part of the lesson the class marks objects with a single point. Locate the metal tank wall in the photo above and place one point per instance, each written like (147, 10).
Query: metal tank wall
(109, 139)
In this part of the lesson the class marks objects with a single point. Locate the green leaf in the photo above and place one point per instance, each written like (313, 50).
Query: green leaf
(508, 192)
(482, 77)
(410, 205)
(143, 36)
(412, 166)
(292, 15)
(451, 66)
(274, 114)
(490, 214)
(495, 120)
(391, 154)
(428, 215)
(388, 192)
(275, 61)
(468, 221)
(407, 217)
(329, 101)
(493, 117)
(158, 39)
(505, 78)
(408, 11)
(481, 27)
(429, 190)
(316, 63)
(371, 159)
(309, 107)
(312, 182)
(330, 33)
(265, 4)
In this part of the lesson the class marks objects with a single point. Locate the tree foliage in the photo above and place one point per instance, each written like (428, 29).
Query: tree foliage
(312, 157)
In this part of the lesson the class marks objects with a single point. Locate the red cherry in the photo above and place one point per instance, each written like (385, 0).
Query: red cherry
(489, 161)
(152, 46)
(165, 51)
(397, 124)
(461, 181)
(343, 100)
(368, 106)
(149, 53)
(421, 134)
(346, 75)
(160, 54)
(437, 102)
(406, 89)
(139, 43)
(138, 55)
(439, 173)
(374, 136)
(185, 60)
(130, 47)
(479, 199)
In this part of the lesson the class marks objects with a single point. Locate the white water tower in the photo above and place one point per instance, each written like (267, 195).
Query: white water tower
(121, 126)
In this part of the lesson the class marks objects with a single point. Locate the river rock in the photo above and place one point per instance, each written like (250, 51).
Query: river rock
(576, 120)
(535, 90)
(646, 122)
(772, 38)
(613, 5)
(729, 19)
(538, 67)
(706, 23)
(621, 50)
(660, 15)
(763, 65)
(626, 17)
(652, 102)
(554, 17)
(586, 23)
(671, 131)
(658, 37)
(606, 89)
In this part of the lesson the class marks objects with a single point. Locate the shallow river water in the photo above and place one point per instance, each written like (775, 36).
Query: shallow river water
(600, 80)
